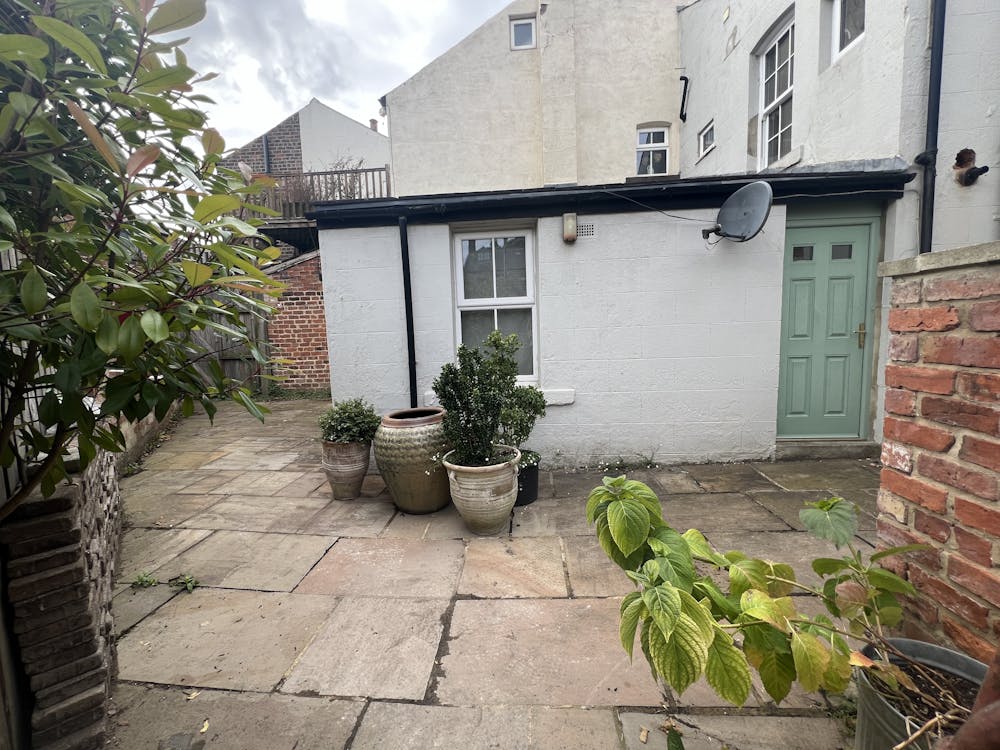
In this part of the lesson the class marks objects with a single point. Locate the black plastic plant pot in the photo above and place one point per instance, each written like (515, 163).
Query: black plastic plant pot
(527, 485)
(880, 725)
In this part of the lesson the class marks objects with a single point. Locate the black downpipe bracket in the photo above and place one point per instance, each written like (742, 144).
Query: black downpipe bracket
(411, 348)
(684, 99)
(928, 159)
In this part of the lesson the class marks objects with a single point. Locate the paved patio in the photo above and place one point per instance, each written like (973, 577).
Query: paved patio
(325, 624)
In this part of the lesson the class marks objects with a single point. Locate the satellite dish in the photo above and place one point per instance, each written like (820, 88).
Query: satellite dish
(743, 214)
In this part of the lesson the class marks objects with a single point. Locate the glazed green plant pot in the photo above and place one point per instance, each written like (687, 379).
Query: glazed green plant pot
(485, 495)
(408, 446)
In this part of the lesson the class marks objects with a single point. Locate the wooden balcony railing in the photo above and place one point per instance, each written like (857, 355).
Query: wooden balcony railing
(295, 194)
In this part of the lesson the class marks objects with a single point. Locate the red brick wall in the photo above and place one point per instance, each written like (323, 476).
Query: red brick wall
(298, 330)
(284, 148)
(942, 452)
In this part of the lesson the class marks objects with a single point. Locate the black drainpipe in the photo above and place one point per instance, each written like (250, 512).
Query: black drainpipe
(928, 159)
(411, 349)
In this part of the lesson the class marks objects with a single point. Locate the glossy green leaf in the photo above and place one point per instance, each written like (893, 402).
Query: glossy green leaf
(901, 550)
(825, 566)
(173, 15)
(664, 605)
(154, 326)
(777, 674)
(6, 220)
(22, 47)
(214, 206)
(682, 658)
(107, 334)
(131, 338)
(747, 574)
(196, 273)
(212, 142)
(34, 296)
(702, 550)
(85, 307)
(631, 612)
(74, 40)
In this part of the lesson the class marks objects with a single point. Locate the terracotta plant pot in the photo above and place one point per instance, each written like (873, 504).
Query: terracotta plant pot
(485, 495)
(407, 446)
(345, 465)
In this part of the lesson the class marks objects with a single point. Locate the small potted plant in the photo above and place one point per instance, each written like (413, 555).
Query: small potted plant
(688, 625)
(517, 420)
(482, 473)
(347, 431)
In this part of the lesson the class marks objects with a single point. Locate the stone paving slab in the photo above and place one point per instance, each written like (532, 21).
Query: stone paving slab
(362, 517)
(165, 511)
(259, 513)
(131, 604)
(206, 481)
(736, 732)
(562, 516)
(237, 640)
(443, 524)
(255, 482)
(148, 716)
(248, 560)
(591, 573)
(568, 648)
(846, 474)
(668, 481)
(257, 458)
(376, 648)
(400, 726)
(513, 568)
(722, 511)
(727, 477)
(182, 459)
(145, 549)
(387, 568)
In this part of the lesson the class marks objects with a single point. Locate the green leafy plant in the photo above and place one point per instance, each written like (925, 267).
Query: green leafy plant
(474, 392)
(518, 417)
(144, 581)
(351, 421)
(121, 238)
(688, 626)
(184, 581)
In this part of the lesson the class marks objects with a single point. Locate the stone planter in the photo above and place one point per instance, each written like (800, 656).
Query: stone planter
(408, 445)
(345, 465)
(880, 725)
(485, 495)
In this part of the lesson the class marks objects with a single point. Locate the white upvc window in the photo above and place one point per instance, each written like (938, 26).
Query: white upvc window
(848, 23)
(777, 72)
(522, 33)
(495, 290)
(706, 139)
(652, 151)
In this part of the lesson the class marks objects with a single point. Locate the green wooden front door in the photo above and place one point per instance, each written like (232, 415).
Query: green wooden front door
(823, 352)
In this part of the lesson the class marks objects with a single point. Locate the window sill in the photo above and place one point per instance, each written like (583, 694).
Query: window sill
(790, 159)
(705, 153)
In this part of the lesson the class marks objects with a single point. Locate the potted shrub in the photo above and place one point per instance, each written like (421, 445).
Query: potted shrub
(517, 420)
(482, 473)
(689, 626)
(347, 431)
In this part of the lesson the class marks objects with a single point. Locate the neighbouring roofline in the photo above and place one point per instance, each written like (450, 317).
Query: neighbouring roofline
(639, 195)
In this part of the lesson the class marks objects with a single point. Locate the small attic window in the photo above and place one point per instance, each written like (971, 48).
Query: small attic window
(522, 33)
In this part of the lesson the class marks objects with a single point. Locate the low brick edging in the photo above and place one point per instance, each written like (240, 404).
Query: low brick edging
(60, 554)
(941, 451)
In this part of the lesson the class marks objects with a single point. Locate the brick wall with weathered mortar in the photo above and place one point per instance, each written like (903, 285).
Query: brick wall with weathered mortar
(284, 149)
(60, 554)
(941, 450)
(297, 331)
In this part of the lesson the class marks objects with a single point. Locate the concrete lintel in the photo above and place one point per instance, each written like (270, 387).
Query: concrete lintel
(974, 255)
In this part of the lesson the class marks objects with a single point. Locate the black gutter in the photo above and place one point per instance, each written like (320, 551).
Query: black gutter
(632, 196)
(928, 159)
(411, 347)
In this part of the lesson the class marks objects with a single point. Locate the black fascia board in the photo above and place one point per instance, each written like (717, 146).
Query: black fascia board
(645, 195)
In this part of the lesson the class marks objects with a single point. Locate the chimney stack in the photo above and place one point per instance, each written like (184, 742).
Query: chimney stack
(374, 124)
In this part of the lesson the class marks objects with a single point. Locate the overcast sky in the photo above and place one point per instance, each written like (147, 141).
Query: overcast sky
(273, 56)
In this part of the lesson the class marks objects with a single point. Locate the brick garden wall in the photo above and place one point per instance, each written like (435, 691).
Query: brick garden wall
(298, 330)
(59, 556)
(941, 450)
(284, 148)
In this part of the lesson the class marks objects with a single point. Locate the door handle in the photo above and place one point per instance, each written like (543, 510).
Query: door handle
(861, 335)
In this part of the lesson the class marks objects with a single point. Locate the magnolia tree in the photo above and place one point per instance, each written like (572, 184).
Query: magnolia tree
(120, 236)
